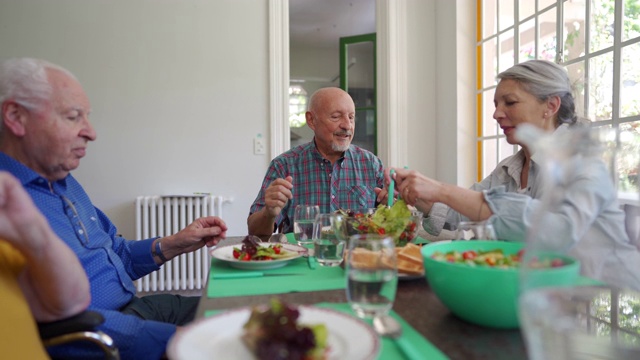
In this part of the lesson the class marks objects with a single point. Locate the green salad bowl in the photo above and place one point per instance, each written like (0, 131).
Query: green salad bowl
(488, 296)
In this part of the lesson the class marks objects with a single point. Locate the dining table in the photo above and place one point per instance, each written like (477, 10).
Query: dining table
(438, 333)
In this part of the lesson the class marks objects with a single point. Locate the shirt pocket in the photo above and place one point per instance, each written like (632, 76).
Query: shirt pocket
(360, 197)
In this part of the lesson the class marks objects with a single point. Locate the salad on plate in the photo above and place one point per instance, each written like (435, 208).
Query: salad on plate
(251, 250)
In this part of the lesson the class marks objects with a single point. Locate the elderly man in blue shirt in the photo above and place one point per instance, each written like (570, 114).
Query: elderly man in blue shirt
(44, 132)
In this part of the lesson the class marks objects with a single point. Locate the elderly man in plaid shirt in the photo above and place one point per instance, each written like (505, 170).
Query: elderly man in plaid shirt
(328, 171)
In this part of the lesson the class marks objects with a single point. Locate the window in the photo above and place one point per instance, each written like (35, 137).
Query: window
(297, 105)
(597, 41)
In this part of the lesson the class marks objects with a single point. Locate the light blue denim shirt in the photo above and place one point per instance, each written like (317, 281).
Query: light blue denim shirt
(505, 175)
(585, 220)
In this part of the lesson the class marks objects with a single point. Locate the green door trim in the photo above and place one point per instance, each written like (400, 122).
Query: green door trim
(344, 63)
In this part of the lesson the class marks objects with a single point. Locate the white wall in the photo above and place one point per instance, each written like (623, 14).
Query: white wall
(180, 88)
(178, 91)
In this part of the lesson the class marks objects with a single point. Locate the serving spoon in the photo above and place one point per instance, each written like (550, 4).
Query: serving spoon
(387, 326)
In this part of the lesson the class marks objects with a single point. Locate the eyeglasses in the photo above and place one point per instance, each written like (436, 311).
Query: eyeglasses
(72, 214)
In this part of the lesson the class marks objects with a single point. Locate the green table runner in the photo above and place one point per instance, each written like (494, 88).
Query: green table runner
(322, 278)
(389, 349)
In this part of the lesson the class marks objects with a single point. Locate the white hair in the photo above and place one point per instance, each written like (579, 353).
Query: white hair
(25, 81)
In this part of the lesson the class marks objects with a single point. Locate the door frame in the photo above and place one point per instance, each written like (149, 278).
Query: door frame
(391, 59)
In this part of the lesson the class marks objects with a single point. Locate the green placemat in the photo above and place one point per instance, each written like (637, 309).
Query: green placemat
(305, 279)
(389, 349)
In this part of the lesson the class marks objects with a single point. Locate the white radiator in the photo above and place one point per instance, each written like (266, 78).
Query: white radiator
(166, 215)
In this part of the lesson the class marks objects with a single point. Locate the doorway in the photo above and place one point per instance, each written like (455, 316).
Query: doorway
(315, 31)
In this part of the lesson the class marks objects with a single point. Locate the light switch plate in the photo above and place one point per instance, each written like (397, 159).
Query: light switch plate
(259, 146)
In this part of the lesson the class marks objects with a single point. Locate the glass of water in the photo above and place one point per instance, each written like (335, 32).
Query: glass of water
(303, 219)
(475, 230)
(328, 248)
(372, 275)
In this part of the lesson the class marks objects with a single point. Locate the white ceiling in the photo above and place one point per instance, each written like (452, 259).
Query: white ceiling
(320, 23)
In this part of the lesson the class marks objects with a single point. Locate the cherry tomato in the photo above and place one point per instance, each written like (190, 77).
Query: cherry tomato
(236, 253)
(277, 249)
(381, 231)
(245, 257)
(469, 255)
(557, 262)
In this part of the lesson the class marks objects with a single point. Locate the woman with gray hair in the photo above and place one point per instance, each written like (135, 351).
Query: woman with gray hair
(587, 221)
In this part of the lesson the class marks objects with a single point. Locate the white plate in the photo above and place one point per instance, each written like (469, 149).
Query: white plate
(225, 253)
(219, 336)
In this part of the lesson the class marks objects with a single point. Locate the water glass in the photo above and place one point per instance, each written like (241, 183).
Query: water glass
(372, 275)
(328, 249)
(303, 219)
(475, 230)
(583, 322)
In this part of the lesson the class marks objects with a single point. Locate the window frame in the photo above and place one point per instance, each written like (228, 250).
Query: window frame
(481, 89)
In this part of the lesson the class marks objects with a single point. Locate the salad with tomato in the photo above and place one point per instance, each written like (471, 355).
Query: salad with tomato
(397, 221)
(251, 250)
(494, 258)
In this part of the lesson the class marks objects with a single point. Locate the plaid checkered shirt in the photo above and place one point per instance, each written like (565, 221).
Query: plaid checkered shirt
(347, 184)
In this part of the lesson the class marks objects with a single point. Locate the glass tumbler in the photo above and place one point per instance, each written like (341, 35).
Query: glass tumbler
(372, 275)
(303, 219)
(328, 248)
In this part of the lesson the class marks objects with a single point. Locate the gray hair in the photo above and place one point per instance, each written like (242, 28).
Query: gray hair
(543, 79)
(25, 81)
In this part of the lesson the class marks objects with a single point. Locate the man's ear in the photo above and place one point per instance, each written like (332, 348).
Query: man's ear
(14, 117)
(310, 120)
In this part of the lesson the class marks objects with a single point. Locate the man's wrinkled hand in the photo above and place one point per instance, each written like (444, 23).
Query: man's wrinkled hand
(277, 195)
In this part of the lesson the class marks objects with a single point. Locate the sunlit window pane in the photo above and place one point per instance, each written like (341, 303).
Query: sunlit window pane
(489, 63)
(506, 149)
(527, 41)
(574, 15)
(628, 157)
(631, 21)
(526, 9)
(488, 124)
(489, 24)
(602, 24)
(630, 81)
(577, 77)
(506, 14)
(489, 156)
(548, 35)
(601, 87)
(543, 3)
(506, 51)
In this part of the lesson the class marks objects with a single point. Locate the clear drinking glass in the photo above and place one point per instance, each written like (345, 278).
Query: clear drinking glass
(328, 249)
(303, 219)
(372, 275)
(475, 230)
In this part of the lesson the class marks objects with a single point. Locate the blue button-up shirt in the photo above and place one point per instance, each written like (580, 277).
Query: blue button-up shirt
(110, 261)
